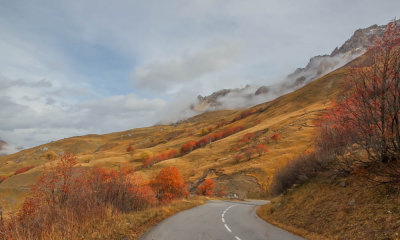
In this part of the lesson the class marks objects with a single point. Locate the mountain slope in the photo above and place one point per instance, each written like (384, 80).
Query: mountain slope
(290, 115)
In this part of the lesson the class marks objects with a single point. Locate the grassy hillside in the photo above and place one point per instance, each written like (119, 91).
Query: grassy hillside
(291, 116)
(346, 208)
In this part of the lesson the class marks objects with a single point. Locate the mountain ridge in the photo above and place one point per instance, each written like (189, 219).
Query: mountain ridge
(317, 67)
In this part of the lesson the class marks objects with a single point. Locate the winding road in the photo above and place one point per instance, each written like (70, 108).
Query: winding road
(219, 220)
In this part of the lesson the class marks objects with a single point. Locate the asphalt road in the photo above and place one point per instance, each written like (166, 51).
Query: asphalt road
(218, 220)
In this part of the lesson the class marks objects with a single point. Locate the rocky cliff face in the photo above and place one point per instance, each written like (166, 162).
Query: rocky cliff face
(361, 39)
(318, 66)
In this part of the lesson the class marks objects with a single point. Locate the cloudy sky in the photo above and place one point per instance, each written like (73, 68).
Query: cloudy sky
(70, 68)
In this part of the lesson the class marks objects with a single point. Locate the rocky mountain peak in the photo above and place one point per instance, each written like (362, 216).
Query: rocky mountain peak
(361, 39)
(318, 66)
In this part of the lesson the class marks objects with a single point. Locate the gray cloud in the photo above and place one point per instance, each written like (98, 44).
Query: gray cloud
(8, 83)
(159, 76)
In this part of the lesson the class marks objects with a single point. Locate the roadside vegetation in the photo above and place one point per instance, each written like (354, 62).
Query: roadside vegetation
(348, 186)
(70, 202)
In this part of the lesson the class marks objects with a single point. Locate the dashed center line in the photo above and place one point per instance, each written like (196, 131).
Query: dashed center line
(223, 220)
(228, 228)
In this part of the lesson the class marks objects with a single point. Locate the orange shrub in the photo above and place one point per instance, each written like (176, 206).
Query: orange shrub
(169, 185)
(172, 153)
(188, 147)
(206, 188)
(192, 145)
(2, 178)
(276, 137)
(261, 149)
(22, 170)
(122, 189)
(147, 162)
(247, 137)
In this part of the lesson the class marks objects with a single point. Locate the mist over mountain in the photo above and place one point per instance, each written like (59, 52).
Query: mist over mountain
(317, 66)
(6, 148)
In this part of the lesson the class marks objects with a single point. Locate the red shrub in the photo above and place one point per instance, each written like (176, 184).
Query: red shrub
(169, 185)
(238, 129)
(247, 137)
(238, 157)
(130, 148)
(172, 153)
(122, 189)
(261, 149)
(206, 188)
(276, 137)
(203, 141)
(192, 145)
(2, 179)
(188, 147)
(147, 162)
(22, 170)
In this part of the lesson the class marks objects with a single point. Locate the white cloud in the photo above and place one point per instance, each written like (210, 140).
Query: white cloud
(29, 118)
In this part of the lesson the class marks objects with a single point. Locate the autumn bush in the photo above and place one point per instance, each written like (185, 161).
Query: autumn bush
(247, 137)
(2, 178)
(149, 161)
(130, 148)
(122, 189)
(192, 145)
(169, 185)
(206, 188)
(276, 137)
(67, 196)
(261, 149)
(22, 170)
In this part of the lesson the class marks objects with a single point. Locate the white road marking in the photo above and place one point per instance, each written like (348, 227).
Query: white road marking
(223, 220)
(228, 228)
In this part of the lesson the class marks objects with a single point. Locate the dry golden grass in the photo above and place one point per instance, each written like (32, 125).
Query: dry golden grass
(111, 224)
(130, 225)
(322, 209)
